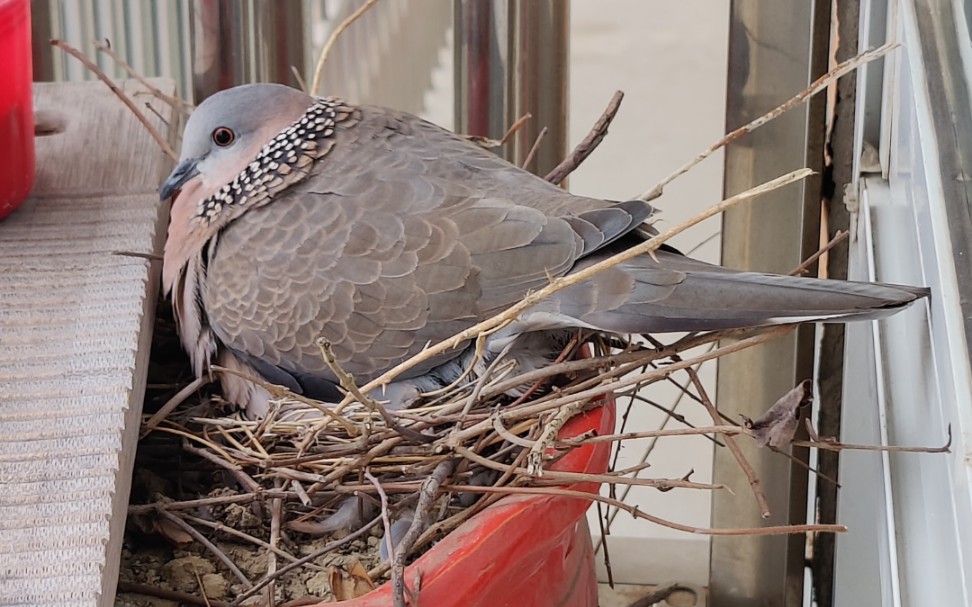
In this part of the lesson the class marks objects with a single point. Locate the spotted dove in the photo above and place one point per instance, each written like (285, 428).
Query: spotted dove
(297, 218)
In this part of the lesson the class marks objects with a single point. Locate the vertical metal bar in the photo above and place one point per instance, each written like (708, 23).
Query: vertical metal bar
(512, 58)
(42, 30)
(236, 42)
(776, 49)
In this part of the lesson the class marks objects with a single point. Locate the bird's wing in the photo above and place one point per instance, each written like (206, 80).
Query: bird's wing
(403, 235)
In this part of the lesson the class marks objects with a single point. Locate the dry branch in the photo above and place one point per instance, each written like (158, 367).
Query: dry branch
(326, 51)
(120, 94)
(588, 144)
(818, 85)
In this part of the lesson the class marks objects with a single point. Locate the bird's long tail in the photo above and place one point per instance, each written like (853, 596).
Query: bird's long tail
(676, 293)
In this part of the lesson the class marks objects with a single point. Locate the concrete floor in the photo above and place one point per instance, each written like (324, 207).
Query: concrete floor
(624, 595)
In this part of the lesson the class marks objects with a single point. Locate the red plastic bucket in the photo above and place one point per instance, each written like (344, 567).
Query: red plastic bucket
(523, 550)
(16, 105)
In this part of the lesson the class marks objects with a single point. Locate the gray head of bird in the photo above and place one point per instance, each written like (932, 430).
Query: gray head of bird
(227, 131)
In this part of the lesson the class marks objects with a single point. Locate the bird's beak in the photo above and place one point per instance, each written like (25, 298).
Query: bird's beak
(183, 172)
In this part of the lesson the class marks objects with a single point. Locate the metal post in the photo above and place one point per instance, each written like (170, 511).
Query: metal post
(237, 42)
(512, 59)
(776, 49)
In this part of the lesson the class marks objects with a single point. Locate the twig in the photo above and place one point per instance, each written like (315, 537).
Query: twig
(604, 544)
(180, 597)
(548, 435)
(300, 79)
(220, 500)
(238, 473)
(171, 405)
(747, 469)
(347, 382)
(305, 559)
(517, 124)
(280, 391)
(818, 85)
(529, 410)
(199, 584)
(276, 514)
(533, 149)
(838, 238)
(593, 139)
(199, 537)
(634, 511)
(120, 94)
(383, 497)
(557, 284)
(610, 438)
(430, 489)
(177, 103)
(832, 445)
(319, 69)
(583, 477)
(221, 528)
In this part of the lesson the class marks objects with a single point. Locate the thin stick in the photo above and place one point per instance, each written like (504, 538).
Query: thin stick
(171, 405)
(305, 559)
(820, 84)
(220, 500)
(383, 497)
(584, 149)
(276, 515)
(737, 453)
(234, 469)
(557, 284)
(316, 82)
(300, 79)
(199, 537)
(602, 388)
(347, 382)
(610, 438)
(582, 477)
(635, 512)
(604, 544)
(430, 489)
(120, 94)
(280, 391)
(832, 445)
(177, 103)
(519, 122)
(199, 584)
(221, 528)
(533, 149)
(838, 238)
(171, 595)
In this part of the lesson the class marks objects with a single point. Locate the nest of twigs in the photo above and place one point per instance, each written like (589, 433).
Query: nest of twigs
(255, 499)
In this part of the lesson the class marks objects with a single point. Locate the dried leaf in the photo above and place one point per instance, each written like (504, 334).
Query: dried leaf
(172, 532)
(777, 426)
(347, 584)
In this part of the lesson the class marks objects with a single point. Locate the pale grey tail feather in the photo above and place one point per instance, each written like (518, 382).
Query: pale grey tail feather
(676, 293)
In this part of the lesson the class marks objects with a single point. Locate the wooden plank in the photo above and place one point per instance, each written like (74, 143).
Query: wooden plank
(75, 332)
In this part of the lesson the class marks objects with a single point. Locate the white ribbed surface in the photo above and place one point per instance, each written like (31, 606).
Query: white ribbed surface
(75, 329)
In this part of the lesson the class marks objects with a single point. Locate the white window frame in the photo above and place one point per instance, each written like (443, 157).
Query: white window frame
(910, 515)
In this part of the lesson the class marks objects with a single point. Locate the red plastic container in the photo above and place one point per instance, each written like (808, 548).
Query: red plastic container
(523, 551)
(16, 105)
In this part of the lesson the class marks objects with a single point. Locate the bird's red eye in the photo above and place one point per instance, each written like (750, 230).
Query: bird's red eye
(223, 136)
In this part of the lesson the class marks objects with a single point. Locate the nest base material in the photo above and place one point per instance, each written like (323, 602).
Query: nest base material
(213, 489)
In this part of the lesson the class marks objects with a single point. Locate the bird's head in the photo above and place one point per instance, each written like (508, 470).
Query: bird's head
(227, 131)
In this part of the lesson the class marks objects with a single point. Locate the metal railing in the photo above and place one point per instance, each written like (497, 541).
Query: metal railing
(206, 45)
